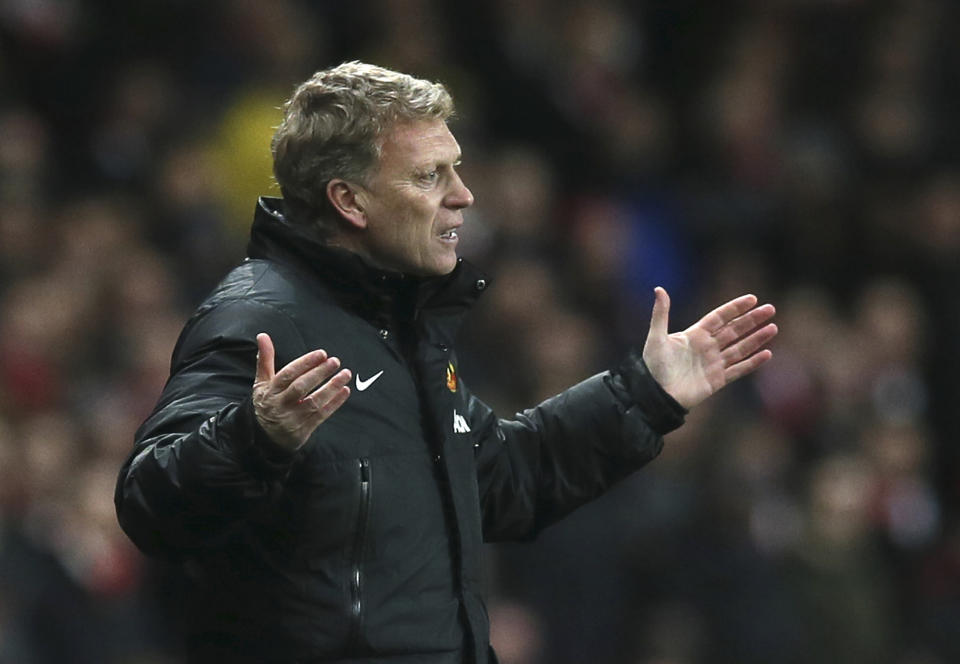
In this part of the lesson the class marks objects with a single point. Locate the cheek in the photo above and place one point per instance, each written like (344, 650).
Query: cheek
(407, 221)
(421, 218)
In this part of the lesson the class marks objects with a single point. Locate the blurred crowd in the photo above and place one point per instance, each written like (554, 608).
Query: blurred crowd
(803, 150)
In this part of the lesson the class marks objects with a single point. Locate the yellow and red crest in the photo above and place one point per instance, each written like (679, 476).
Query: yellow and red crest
(451, 377)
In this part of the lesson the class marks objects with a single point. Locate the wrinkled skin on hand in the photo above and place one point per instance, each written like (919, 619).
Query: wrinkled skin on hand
(721, 347)
(291, 403)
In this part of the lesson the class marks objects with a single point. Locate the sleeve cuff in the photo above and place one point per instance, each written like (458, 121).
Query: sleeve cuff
(256, 450)
(662, 411)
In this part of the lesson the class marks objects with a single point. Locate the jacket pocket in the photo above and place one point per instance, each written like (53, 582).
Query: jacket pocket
(357, 551)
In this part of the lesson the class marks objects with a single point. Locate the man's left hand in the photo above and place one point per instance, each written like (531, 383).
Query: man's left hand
(721, 347)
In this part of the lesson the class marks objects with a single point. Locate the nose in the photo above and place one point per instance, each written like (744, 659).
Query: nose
(459, 196)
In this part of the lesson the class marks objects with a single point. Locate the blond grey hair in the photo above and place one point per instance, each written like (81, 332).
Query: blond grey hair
(333, 127)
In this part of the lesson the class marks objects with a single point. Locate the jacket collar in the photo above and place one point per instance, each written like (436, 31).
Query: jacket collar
(372, 291)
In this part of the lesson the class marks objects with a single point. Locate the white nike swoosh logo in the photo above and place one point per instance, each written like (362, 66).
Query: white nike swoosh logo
(364, 384)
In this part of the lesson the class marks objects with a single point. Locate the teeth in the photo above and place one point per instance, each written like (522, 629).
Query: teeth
(449, 235)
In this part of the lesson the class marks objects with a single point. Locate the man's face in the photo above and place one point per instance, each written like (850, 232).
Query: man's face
(414, 199)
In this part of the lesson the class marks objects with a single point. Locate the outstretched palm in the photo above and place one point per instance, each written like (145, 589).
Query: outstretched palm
(291, 403)
(718, 349)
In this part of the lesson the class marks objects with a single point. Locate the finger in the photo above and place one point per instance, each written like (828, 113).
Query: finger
(336, 400)
(309, 381)
(297, 368)
(331, 395)
(744, 325)
(749, 365)
(748, 345)
(265, 358)
(725, 313)
(659, 319)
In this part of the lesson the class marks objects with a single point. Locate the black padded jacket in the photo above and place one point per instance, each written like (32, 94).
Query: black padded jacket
(364, 545)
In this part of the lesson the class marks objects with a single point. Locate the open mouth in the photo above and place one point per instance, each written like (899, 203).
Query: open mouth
(449, 235)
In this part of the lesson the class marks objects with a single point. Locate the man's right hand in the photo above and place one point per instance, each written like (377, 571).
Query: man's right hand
(291, 403)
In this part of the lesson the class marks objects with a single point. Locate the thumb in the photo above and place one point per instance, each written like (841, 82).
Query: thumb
(265, 358)
(661, 312)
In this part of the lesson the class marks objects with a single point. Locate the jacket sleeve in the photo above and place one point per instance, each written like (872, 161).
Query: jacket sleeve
(549, 460)
(201, 464)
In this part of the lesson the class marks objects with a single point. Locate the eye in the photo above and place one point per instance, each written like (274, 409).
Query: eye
(428, 178)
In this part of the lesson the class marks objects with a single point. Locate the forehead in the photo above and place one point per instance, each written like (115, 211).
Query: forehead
(419, 142)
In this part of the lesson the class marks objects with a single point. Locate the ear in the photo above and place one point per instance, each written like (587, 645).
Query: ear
(346, 200)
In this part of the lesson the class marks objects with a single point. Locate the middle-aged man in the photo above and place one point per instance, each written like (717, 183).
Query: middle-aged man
(334, 510)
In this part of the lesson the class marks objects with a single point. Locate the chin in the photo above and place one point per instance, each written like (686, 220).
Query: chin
(438, 270)
(440, 267)
(449, 266)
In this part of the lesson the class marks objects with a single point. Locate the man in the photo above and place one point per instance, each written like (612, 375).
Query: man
(334, 510)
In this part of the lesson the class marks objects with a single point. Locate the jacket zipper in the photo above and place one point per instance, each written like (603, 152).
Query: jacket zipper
(356, 571)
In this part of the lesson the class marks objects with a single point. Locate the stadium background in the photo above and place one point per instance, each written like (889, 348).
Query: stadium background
(804, 150)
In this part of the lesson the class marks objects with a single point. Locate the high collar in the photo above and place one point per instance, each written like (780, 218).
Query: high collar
(372, 291)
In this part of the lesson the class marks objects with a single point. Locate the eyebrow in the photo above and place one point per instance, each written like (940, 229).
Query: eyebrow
(431, 165)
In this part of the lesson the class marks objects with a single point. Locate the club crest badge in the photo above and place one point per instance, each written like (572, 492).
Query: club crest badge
(451, 377)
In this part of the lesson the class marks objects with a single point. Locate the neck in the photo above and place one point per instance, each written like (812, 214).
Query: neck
(354, 244)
